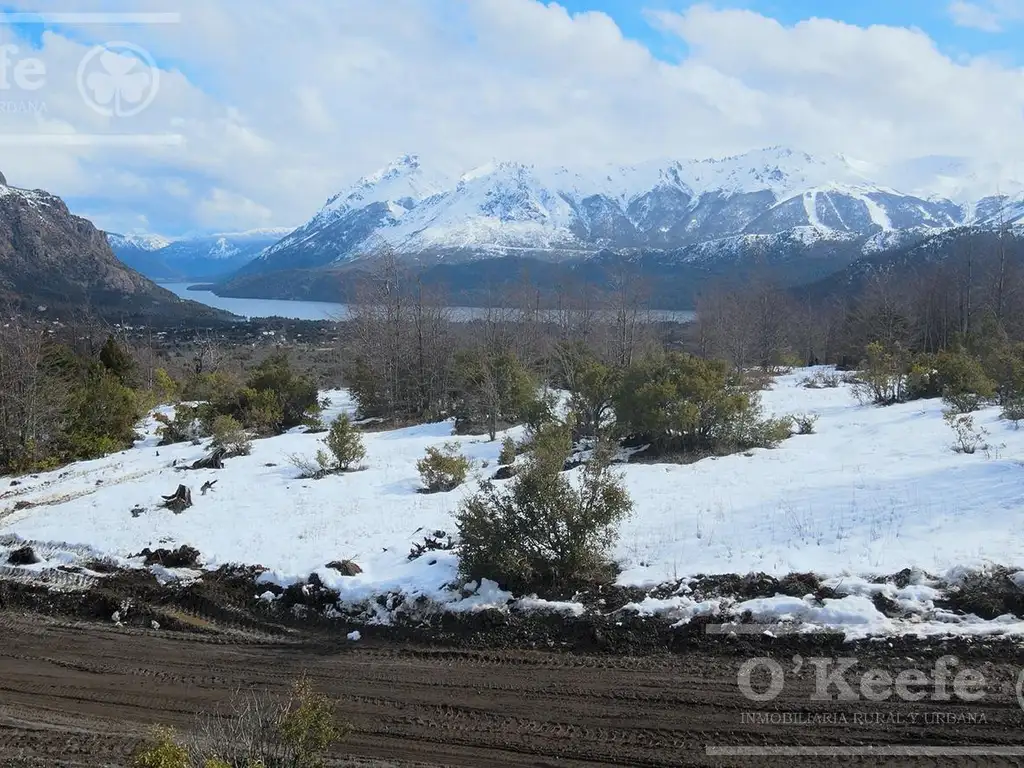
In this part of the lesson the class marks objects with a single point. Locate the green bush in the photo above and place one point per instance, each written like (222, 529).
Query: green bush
(884, 374)
(544, 533)
(105, 413)
(508, 452)
(118, 361)
(296, 394)
(260, 731)
(255, 409)
(165, 388)
(495, 390)
(962, 381)
(750, 430)
(345, 443)
(218, 387)
(162, 751)
(681, 402)
(1013, 411)
(230, 435)
(186, 425)
(443, 470)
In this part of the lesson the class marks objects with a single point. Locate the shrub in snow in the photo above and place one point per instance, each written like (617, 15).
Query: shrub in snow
(508, 452)
(592, 386)
(969, 437)
(295, 393)
(229, 435)
(678, 402)
(434, 542)
(822, 380)
(495, 389)
(544, 533)
(345, 567)
(165, 388)
(805, 423)
(185, 426)
(1013, 411)
(884, 375)
(962, 381)
(313, 423)
(314, 468)
(345, 443)
(750, 430)
(444, 469)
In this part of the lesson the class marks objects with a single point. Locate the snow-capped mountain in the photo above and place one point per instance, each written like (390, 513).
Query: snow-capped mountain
(142, 242)
(203, 257)
(508, 208)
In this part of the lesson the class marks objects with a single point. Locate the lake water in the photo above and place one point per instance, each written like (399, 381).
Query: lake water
(326, 310)
(294, 310)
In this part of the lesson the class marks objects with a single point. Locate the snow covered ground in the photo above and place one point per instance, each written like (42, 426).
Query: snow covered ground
(871, 492)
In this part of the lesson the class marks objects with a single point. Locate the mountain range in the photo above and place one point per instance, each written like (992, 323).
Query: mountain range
(684, 221)
(202, 257)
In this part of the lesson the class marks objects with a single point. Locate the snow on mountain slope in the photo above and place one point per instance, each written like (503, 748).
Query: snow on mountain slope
(197, 257)
(560, 213)
(143, 242)
(402, 184)
(507, 205)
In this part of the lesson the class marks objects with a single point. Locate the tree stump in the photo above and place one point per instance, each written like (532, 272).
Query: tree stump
(178, 501)
(214, 461)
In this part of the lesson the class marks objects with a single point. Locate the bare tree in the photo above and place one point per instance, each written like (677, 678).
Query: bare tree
(399, 336)
(34, 396)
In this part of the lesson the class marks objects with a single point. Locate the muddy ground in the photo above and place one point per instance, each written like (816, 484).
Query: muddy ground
(77, 691)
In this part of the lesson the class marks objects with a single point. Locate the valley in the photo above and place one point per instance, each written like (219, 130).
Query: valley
(551, 383)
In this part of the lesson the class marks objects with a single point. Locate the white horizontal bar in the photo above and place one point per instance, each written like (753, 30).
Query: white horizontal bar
(91, 139)
(89, 18)
(882, 750)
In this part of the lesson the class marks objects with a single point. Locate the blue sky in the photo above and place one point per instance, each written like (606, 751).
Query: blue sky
(279, 106)
(932, 16)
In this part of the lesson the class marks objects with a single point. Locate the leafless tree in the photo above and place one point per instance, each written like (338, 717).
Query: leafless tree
(34, 395)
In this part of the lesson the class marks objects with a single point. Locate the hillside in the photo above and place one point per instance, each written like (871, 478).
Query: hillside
(52, 259)
(873, 491)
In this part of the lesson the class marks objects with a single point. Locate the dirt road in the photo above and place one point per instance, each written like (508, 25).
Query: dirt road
(83, 695)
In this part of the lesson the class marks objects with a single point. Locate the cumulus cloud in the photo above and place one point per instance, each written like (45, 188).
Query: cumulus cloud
(988, 15)
(281, 105)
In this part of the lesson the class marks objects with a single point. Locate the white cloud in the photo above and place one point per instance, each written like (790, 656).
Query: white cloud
(987, 15)
(282, 104)
(231, 210)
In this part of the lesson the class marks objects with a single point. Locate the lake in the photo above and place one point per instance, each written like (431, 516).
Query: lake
(326, 310)
(294, 310)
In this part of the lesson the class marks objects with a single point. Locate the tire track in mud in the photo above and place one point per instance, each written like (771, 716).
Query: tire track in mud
(75, 694)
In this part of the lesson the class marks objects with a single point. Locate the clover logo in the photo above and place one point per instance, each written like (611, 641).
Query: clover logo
(118, 79)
